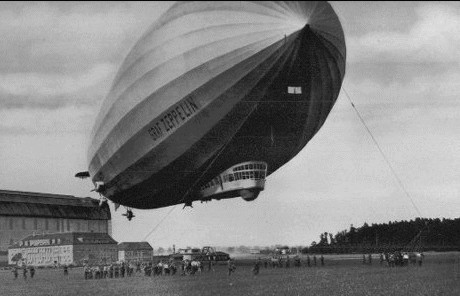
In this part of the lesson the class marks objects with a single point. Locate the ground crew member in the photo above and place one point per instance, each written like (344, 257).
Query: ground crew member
(255, 269)
(15, 272)
(182, 267)
(314, 260)
(231, 266)
(420, 258)
(66, 270)
(122, 270)
(24, 272)
(97, 272)
(32, 272)
(117, 270)
(297, 261)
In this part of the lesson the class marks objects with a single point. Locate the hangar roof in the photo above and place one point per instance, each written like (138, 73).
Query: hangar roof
(32, 204)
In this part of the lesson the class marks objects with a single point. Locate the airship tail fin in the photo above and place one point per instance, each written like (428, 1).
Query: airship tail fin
(82, 175)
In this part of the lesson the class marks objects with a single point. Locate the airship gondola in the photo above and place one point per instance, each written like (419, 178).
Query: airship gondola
(215, 97)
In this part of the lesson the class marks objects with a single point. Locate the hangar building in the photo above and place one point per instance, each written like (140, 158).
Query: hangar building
(28, 213)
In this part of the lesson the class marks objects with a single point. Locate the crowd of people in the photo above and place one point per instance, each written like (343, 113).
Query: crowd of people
(165, 267)
(399, 258)
(284, 262)
(280, 261)
(25, 270)
(192, 267)
(396, 258)
(161, 268)
(108, 271)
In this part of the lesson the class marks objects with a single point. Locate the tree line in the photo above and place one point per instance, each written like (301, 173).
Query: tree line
(421, 234)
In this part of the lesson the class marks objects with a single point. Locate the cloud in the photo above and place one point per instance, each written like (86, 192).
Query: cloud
(434, 37)
(42, 85)
(59, 55)
(70, 119)
(423, 88)
(418, 101)
(75, 32)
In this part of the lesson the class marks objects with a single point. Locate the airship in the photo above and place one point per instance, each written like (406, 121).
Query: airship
(213, 98)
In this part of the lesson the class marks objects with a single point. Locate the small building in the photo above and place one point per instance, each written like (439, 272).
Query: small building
(135, 251)
(72, 248)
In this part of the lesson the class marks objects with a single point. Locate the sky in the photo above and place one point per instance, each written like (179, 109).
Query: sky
(58, 61)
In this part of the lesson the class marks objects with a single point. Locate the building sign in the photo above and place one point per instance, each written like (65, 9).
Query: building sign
(39, 242)
(43, 255)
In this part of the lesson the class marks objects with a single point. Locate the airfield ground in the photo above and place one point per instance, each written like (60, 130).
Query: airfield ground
(341, 275)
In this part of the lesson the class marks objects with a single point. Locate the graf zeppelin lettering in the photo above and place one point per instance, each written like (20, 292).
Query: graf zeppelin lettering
(173, 118)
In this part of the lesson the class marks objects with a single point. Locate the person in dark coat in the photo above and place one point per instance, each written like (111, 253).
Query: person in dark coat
(15, 272)
(117, 270)
(231, 266)
(32, 271)
(256, 267)
(122, 270)
(24, 272)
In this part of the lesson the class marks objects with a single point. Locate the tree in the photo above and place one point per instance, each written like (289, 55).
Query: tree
(434, 234)
(352, 234)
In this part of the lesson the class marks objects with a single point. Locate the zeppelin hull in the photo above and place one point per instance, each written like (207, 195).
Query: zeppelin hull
(258, 93)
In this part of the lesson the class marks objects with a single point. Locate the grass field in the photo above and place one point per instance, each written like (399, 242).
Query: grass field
(341, 275)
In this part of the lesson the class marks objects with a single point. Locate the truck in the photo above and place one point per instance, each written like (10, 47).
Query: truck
(207, 253)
